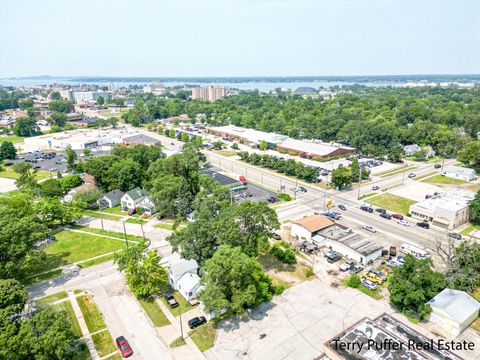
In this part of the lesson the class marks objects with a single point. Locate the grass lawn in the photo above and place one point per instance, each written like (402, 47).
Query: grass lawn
(114, 210)
(183, 307)
(103, 343)
(8, 173)
(386, 172)
(204, 336)
(13, 138)
(154, 312)
(226, 152)
(391, 202)
(177, 342)
(54, 297)
(71, 247)
(136, 221)
(77, 291)
(42, 277)
(67, 307)
(396, 171)
(109, 233)
(91, 314)
(165, 226)
(439, 179)
(271, 263)
(367, 195)
(98, 215)
(96, 261)
(470, 228)
(418, 178)
(376, 294)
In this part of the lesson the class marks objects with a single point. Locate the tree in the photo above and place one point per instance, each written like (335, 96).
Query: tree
(51, 188)
(470, 155)
(341, 177)
(13, 295)
(217, 145)
(395, 154)
(27, 175)
(463, 265)
(100, 100)
(51, 210)
(474, 205)
(263, 145)
(145, 276)
(7, 150)
(235, 146)
(55, 95)
(58, 119)
(420, 155)
(413, 284)
(71, 157)
(25, 104)
(87, 199)
(233, 281)
(70, 181)
(59, 106)
(86, 152)
(26, 126)
(171, 133)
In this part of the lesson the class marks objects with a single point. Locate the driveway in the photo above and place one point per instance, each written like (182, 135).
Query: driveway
(121, 312)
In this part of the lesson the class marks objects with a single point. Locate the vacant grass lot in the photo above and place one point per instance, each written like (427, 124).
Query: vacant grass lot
(439, 179)
(470, 228)
(204, 336)
(100, 215)
(71, 247)
(13, 138)
(91, 314)
(136, 221)
(109, 233)
(154, 312)
(8, 173)
(103, 343)
(66, 306)
(391, 202)
(54, 297)
(96, 261)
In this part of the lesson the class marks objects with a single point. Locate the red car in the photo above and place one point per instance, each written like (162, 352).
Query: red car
(397, 216)
(132, 212)
(123, 346)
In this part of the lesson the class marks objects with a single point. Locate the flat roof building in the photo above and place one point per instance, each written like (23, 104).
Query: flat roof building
(312, 149)
(249, 137)
(461, 173)
(448, 210)
(209, 93)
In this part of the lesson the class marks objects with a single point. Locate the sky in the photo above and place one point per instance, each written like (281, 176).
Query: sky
(238, 37)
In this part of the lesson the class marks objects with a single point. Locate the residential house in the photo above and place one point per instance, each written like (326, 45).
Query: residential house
(189, 286)
(409, 150)
(79, 189)
(138, 198)
(461, 173)
(183, 276)
(110, 199)
(453, 311)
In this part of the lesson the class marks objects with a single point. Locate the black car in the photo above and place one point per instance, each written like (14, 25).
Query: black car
(437, 166)
(160, 217)
(172, 302)
(423, 225)
(333, 258)
(455, 236)
(196, 322)
(9, 163)
(386, 216)
(366, 208)
(276, 236)
(342, 207)
(381, 211)
(272, 199)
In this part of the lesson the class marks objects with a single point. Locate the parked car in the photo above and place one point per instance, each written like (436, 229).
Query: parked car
(196, 322)
(272, 199)
(455, 236)
(302, 189)
(378, 273)
(397, 216)
(160, 217)
(411, 175)
(342, 207)
(367, 208)
(9, 163)
(437, 166)
(386, 216)
(172, 302)
(334, 258)
(392, 251)
(347, 265)
(355, 269)
(369, 228)
(381, 211)
(276, 236)
(375, 187)
(37, 167)
(132, 212)
(368, 284)
(403, 222)
(373, 278)
(123, 346)
(423, 225)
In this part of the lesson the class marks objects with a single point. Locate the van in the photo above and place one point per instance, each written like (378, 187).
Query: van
(415, 251)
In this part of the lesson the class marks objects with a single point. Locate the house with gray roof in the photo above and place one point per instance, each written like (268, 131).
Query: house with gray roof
(461, 173)
(178, 269)
(110, 199)
(453, 311)
(409, 150)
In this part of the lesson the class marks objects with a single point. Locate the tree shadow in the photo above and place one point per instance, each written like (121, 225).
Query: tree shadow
(258, 313)
(270, 262)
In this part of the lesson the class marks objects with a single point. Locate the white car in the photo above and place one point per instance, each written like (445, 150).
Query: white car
(368, 284)
(403, 222)
(369, 228)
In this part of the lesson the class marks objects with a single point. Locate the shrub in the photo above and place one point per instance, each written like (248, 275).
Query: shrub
(354, 281)
(309, 272)
(283, 252)
(278, 289)
(292, 153)
(285, 197)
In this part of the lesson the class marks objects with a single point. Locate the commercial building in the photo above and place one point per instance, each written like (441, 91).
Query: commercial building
(304, 148)
(453, 311)
(86, 96)
(383, 338)
(309, 226)
(460, 173)
(448, 210)
(209, 93)
(156, 88)
(140, 139)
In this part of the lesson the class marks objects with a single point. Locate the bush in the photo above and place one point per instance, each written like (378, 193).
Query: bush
(283, 252)
(278, 289)
(354, 281)
(309, 272)
(285, 197)
(292, 153)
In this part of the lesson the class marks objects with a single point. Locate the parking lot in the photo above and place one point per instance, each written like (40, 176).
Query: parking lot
(258, 193)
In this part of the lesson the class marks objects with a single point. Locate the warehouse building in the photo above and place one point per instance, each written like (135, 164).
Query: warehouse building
(447, 210)
(304, 148)
(453, 311)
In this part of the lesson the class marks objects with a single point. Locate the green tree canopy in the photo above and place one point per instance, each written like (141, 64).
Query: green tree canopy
(7, 150)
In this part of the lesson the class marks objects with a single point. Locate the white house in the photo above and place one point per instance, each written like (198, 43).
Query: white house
(453, 311)
(138, 198)
(110, 199)
(177, 267)
(309, 226)
(409, 150)
(189, 285)
(461, 173)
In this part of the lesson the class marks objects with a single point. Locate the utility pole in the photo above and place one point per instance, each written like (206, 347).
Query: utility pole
(180, 314)
(143, 234)
(359, 180)
(125, 233)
